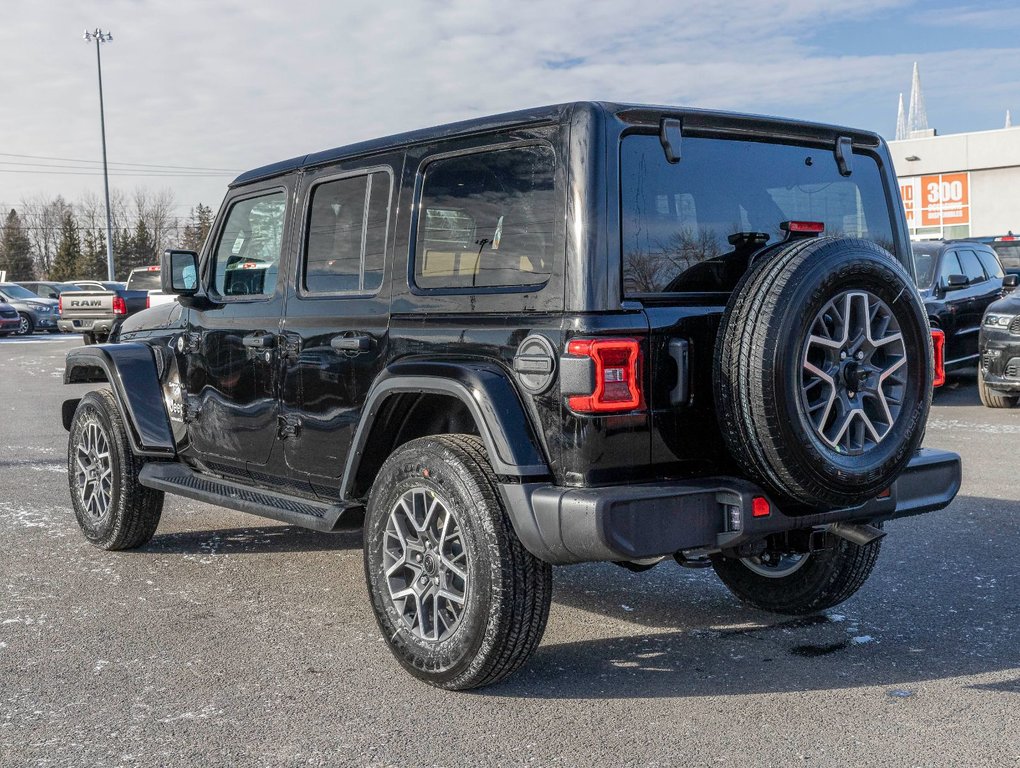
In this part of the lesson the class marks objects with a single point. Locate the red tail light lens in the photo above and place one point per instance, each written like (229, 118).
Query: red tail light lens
(617, 375)
(60, 305)
(760, 507)
(119, 307)
(147, 301)
(938, 340)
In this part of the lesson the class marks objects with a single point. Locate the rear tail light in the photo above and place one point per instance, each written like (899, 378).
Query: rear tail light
(938, 341)
(760, 507)
(617, 379)
(60, 305)
(803, 227)
(119, 307)
(147, 301)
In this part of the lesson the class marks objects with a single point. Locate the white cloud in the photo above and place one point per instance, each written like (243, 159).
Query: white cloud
(232, 85)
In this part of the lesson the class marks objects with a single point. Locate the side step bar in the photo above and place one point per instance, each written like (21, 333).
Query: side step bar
(177, 478)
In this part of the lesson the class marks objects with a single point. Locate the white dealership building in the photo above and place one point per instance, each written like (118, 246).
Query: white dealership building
(958, 185)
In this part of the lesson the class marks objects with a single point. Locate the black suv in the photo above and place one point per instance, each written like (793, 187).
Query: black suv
(587, 332)
(958, 279)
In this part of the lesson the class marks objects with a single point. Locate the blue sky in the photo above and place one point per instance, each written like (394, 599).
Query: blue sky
(233, 84)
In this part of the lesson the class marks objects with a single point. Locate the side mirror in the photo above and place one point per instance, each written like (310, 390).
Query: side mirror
(1011, 281)
(956, 282)
(179, 272)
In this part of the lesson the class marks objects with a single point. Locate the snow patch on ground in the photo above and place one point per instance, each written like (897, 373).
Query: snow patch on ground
(972, 426)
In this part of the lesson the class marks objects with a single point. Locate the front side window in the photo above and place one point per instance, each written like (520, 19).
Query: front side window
(950, 266)
(346, 235)
(972, 267)
(489, 220)
(247, 257)
(693, 225)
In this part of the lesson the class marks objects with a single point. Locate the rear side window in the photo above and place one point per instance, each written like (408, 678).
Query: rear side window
(693, 225)
(489, 220)
(1009, 254)
(346, 234)
(990, 263)
(247, 257)
(146, 280)
(972, 267)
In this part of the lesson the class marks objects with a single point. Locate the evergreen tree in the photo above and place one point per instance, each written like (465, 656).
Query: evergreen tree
(122, 247)
(143, 247)
(68, 255)
(197, 228)
(92, 264)
(16, 249)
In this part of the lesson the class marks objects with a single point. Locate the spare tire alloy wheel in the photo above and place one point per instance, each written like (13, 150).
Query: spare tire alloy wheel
(823, 372)
(426, 564)
(854, 372)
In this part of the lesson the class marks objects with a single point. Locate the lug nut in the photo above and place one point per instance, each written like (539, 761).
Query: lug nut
(860, 355)
(417, 558)
(853, 395)
(842, 354)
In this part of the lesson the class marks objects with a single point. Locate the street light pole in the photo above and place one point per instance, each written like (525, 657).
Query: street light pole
(104, 37)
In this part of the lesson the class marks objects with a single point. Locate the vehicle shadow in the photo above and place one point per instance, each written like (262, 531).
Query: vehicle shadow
(923, 615)
(246, 541)
(960, 389)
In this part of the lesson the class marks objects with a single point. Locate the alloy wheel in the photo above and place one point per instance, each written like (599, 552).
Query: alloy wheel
(94, 470)
(426, 564)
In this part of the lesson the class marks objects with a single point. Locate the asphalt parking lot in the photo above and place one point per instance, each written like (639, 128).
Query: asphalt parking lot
(229, 640)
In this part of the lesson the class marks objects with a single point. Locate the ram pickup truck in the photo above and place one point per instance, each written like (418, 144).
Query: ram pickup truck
(586, 332)
(97, 314)
(148, 279)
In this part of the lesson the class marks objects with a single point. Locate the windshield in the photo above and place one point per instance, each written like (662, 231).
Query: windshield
(147, 280)
(17, 292)
(693, 225)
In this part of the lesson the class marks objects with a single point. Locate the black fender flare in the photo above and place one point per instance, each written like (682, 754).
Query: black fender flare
(486, 391)
(133, 374)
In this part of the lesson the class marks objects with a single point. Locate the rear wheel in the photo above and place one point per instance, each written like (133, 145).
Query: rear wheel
(88, 338)
(460, 601)
(990, 398)
(791, 583)
(113, 510)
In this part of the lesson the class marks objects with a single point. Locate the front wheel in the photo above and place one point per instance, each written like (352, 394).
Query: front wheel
(798, 584)
(27, 327)
(113, 510)
(458, 598)
(990, 398)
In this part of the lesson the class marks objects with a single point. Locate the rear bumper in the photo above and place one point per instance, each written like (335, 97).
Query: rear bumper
(87, 325)
(633, 522)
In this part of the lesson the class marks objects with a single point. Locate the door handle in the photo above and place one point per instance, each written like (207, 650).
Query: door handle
(358, 342)
(258, 340)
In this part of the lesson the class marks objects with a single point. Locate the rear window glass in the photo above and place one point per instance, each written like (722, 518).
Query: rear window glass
(1009, 254)
(688, 226)
(147, 280)
(489, 220)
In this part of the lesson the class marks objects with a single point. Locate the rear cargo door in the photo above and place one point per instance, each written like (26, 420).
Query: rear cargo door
(691, 228)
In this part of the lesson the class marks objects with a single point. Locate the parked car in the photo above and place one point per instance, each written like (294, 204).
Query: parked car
(98, 285)
(999, 372)
(147, 279)
(587, 332)
(35, 312)
(1007, 247)
(48, 289)
(10, 321)
(98, 314)
(957, 281)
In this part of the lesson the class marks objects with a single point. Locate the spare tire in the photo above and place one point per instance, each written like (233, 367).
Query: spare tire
(823, 371)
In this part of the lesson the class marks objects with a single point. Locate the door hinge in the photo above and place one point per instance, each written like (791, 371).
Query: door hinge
(290, 425)
(190, 409)
(290, 345)
(188, 343)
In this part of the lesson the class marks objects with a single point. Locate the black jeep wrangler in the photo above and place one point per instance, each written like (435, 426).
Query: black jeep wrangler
(587, 332)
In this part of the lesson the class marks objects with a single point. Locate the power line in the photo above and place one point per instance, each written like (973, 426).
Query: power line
(155, 175)
(134, 165)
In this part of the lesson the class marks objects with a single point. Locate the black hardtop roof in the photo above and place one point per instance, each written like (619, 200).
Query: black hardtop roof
(634, 113)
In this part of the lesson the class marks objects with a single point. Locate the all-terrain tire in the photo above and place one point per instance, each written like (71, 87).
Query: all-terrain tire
(507, 590)
(760, 357)
(114, 511)
(991, 398)
(825, 579)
